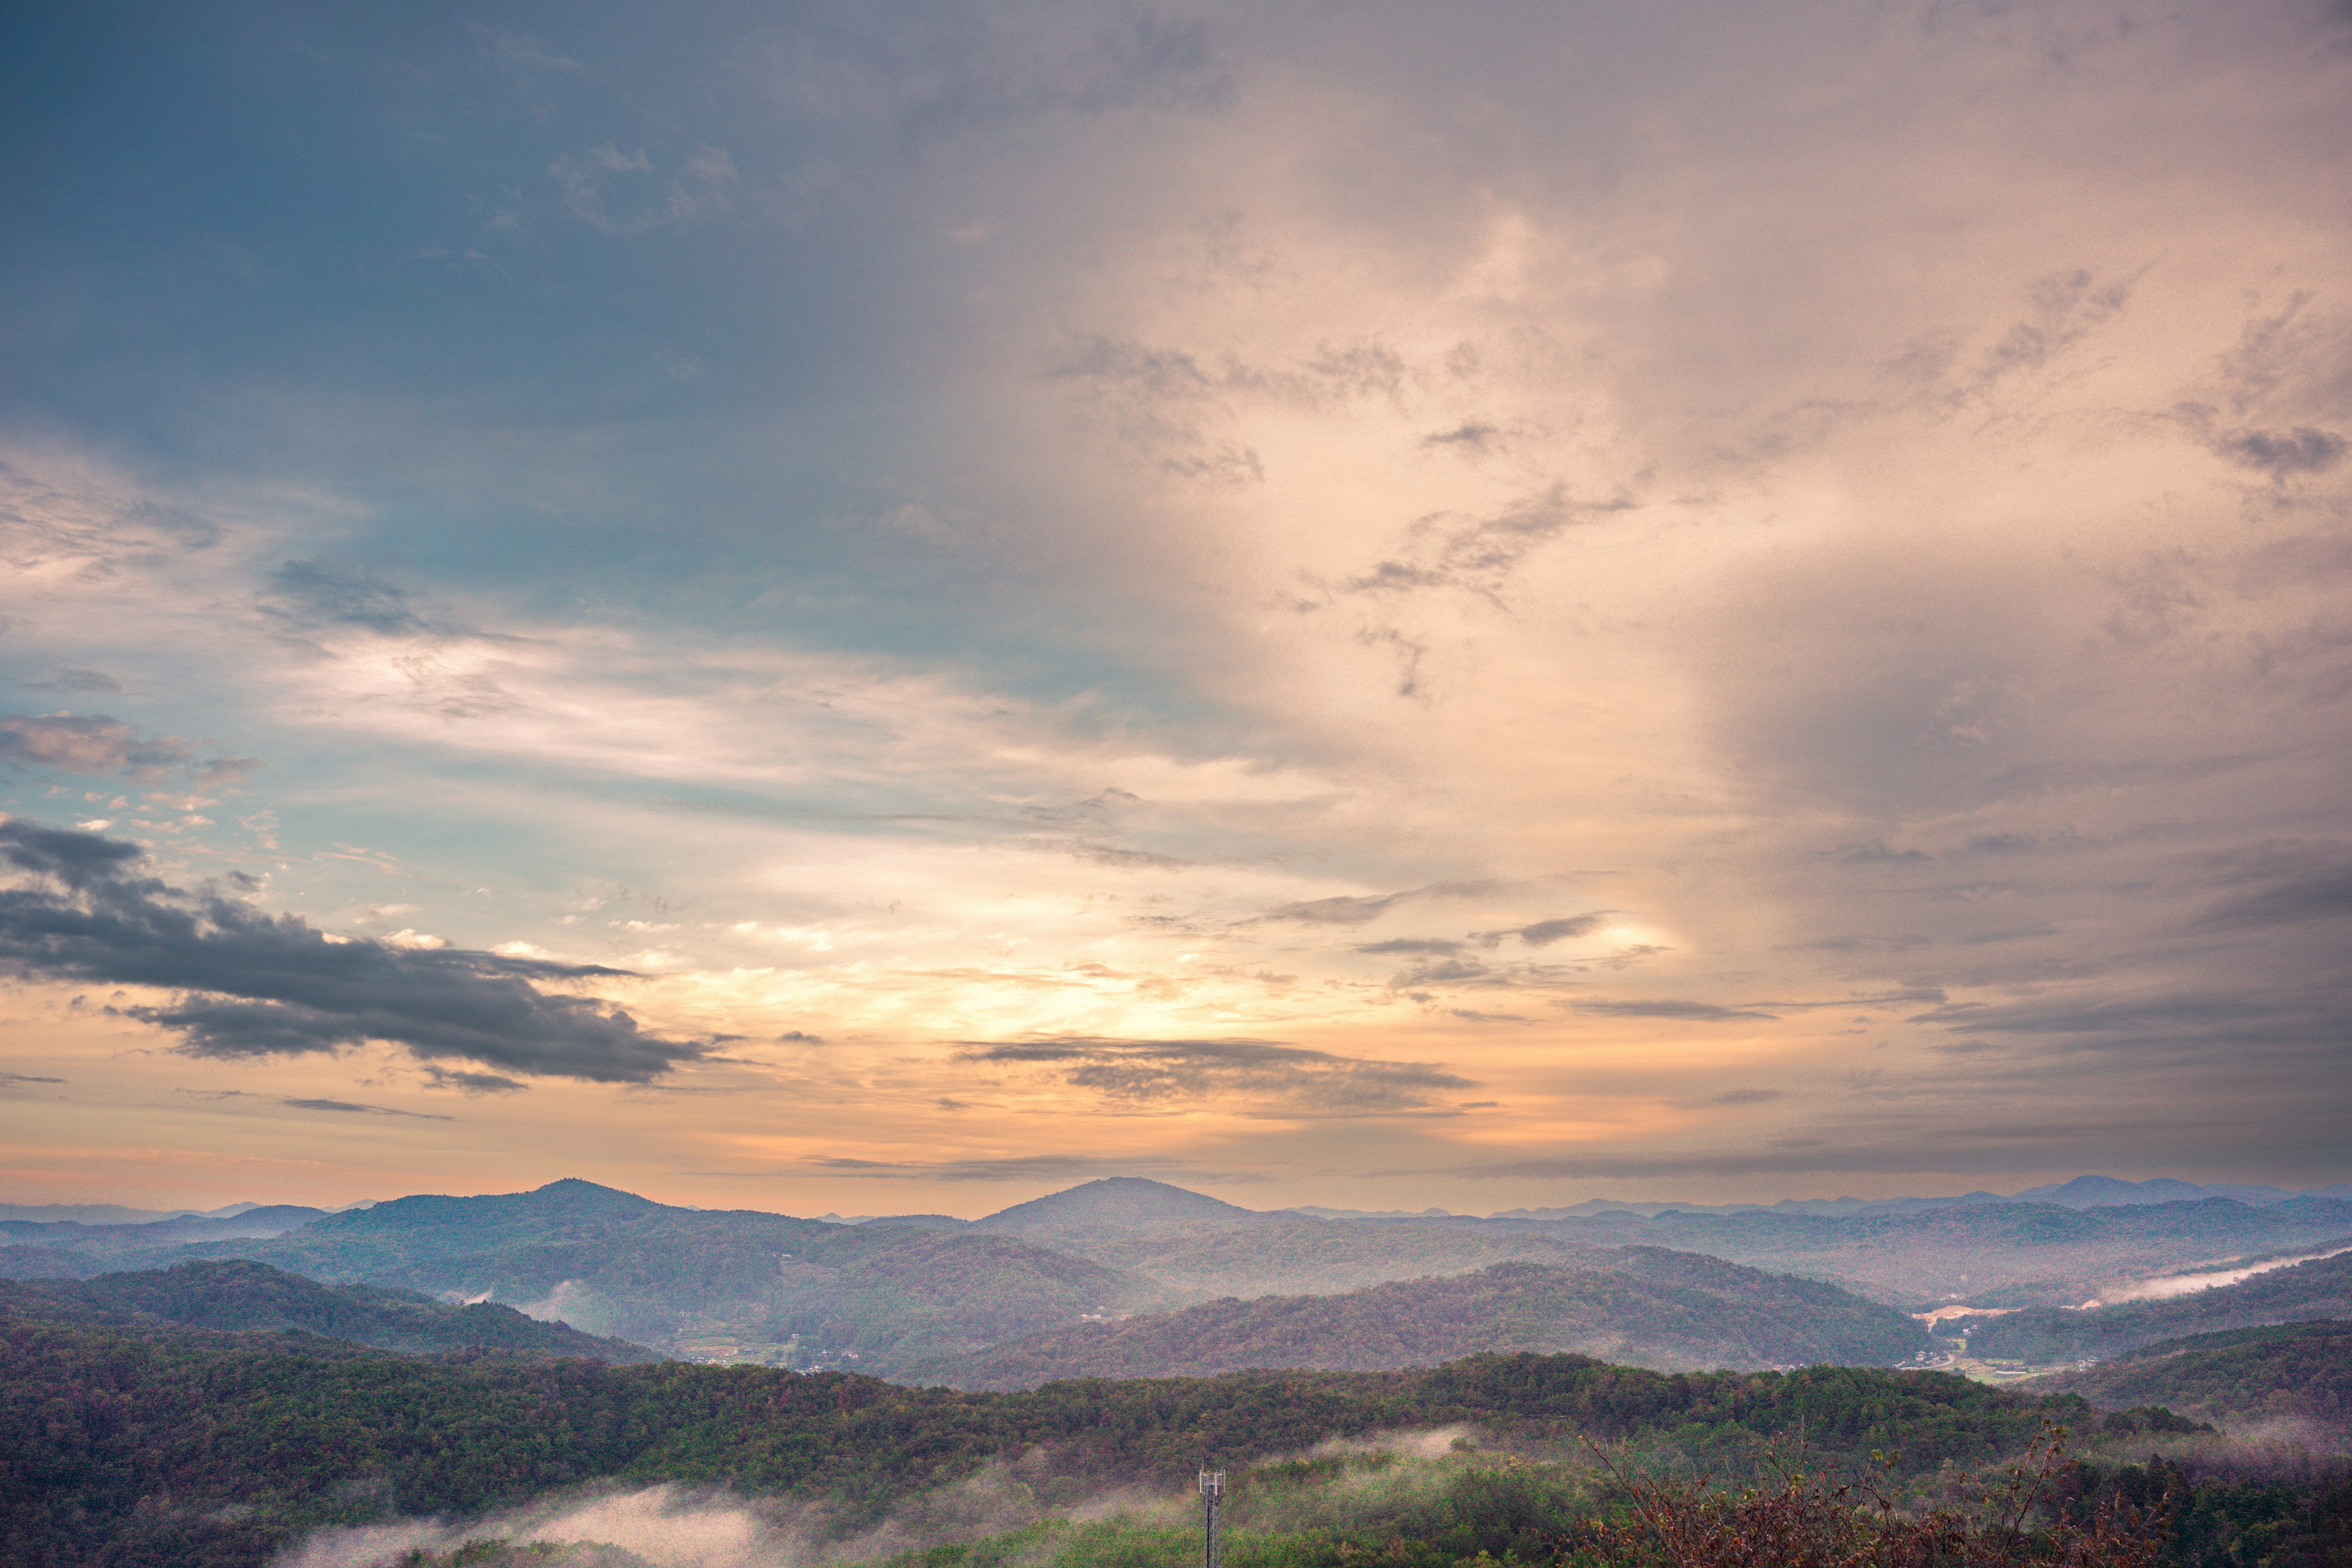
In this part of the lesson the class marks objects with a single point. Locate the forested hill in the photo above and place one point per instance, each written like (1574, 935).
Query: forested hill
(168, 1446)
(2299, 1374)
(1662, 1310)
(2044, 1336)
(252, 1297)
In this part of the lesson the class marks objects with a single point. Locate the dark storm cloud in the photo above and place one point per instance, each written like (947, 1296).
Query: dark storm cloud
(248, 984)
(1285, 1080)
(1690, 1012)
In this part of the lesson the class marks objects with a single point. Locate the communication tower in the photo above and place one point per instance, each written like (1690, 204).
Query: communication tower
(1212, 1493)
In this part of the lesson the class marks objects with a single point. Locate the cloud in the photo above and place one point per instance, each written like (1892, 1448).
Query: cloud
(1360, 908)
(472, 1082)
(26, 1077)
(2317, 893)
(1420, 944)
(2302, 450)
(1285, 1080)
(313, 595)
(1443, 550)
(355, 1107)
(80, 682)
(936, 77)
(1730, 1097)
(1692, 1012)
(248, 984)
(707, 182)
(1446, 970)
(1338, 911)
(93, 744)
(1029, 1168)
(1543, 933)
(2314, 1019)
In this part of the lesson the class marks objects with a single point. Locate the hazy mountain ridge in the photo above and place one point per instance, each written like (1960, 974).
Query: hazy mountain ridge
(710, 1283)
(244, 1298)
(888, 1293)
(1996, 1254)
(114, 1214)
(1294, 1255)
(103, 1246)
(2300, 1292)
(1667, 1311)
(1993, 1255)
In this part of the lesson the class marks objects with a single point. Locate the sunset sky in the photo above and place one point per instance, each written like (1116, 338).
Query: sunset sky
(881, 607)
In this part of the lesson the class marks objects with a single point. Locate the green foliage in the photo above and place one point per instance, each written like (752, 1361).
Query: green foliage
(2228, 1521)
(181, 1446)
(2298, 1372)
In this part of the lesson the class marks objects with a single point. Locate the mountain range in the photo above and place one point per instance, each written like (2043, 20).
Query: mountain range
(934, 1296)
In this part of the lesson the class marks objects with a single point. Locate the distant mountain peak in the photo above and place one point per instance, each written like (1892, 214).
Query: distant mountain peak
(575, 1189)
(569, 1200)
(2107, 1191)
(1120, 1203)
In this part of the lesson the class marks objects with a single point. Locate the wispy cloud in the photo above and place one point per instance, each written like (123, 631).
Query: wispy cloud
(1032, 1168)
(96, 745)
(1684, 1010)
(1268, 1076)
(353, 1108)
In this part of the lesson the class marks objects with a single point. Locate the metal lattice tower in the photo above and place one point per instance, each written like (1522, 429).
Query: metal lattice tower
(1212, 1493)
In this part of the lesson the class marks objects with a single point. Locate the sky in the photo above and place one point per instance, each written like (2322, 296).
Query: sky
(886, 607)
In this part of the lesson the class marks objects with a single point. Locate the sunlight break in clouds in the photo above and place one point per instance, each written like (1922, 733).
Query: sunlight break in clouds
(1474, 609)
